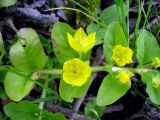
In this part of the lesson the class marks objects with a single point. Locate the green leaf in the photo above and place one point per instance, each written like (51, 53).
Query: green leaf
(100, 32)
(147, 48)
(28, 54)
(1, 118)
(2, 94)
(93, 110)
(50, 116)
(17, 85)
(62, 49)
(2, 50)
(111, 90)
(113, 36)
(69, 92)
(6, 3)
(111, 14)
(152, 91)
(23, 110)
(3, 71)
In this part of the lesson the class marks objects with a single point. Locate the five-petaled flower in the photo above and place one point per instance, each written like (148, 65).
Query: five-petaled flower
(81, 42)
(124, 76)
(76, 72)
(122, 55)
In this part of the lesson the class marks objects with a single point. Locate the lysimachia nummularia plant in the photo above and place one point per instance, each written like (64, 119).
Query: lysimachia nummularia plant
(72, 50)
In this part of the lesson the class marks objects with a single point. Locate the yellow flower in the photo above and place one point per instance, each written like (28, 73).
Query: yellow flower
(156, 81)
(122, 55)
(76, 72)
(81, 42)
(124, 76)
(156, 62)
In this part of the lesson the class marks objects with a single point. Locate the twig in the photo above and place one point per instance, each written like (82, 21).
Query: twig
(32, 14)
(148, 26)
(10, 24)
(69, 113)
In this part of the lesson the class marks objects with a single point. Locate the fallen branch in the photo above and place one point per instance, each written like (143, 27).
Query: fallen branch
(67, 112)
(32, 14)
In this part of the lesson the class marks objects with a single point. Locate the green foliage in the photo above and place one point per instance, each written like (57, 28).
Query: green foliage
(50, 116)
(147, 48)
(17, 85)
(6, 3)
(69, 92)
(100, 32)
(30, 62)
(28, 54)
(93, 110)
(23, 110)
(114, 36)
(111, 89)
(26, 110)
(113, 13)
(152, 91)
(2, 50)
(3, 72)
(2, 94)
(62, 49)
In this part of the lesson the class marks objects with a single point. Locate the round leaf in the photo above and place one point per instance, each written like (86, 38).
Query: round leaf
(69, 92)
(147, 48)
(50, 116)
(17, 85)
(23, 110)
(111, 14)
(28, 54)
(111, 90)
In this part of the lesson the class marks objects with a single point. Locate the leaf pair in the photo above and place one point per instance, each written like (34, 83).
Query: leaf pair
(27, 56)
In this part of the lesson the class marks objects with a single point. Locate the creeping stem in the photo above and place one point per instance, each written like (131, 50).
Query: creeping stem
(51, 71)
(107, 68)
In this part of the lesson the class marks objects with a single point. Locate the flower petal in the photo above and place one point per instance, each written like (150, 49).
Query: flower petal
(80, 34)
(89, 41)
(76, 72)
(122, 55)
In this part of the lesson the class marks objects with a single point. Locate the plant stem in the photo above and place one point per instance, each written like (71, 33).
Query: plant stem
(77, 10)
(113, 68)
(107, 68)
(84, 8)
(51, 71)
(41, 104)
